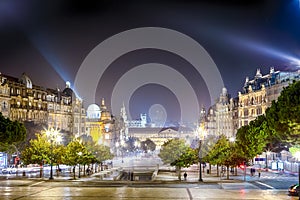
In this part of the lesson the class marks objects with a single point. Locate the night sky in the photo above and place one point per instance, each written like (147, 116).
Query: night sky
(49, 40)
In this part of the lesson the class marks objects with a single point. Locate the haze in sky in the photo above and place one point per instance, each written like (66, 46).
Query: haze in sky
(176, 55)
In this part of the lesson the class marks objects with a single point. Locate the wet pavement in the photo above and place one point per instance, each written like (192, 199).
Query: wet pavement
(36, 190)
(165, 185)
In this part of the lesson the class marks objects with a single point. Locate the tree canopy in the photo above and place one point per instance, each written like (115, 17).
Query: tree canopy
(11, 132)
(147, 145)
(277, 129)
(177, 153)
(284, 115)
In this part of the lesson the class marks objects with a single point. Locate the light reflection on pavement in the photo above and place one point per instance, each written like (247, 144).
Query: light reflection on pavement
(46, 190)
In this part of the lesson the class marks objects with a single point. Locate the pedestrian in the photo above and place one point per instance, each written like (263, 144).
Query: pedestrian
(259, 171)
(185, 176)
(88, 171)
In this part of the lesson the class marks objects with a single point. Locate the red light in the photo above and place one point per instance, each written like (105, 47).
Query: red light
(242, 167)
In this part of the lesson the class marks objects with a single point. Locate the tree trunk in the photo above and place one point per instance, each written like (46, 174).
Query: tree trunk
(209, 168)
(74, 172)
(178, 169)
(217, 170)
(84, 170)
(227, 177)
(235, 171)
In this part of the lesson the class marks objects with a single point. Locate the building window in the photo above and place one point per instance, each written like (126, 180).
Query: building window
(246, 113)
(4, 105)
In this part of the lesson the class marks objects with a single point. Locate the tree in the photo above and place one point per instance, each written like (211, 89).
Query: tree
(37, 152)
(75, 154)
(176, 153)
(11, 132)
(283, 115)
(148, 145)
(130, 144)
(252, 139)
(102, 153)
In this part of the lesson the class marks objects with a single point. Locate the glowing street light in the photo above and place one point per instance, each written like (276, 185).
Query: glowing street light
(55, 138)
(202, 133)
(79, 154)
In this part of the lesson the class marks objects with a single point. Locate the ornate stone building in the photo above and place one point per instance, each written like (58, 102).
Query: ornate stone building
(229, 114)
(257, 94)
(222, 116)
(23, 101)
(101, 125)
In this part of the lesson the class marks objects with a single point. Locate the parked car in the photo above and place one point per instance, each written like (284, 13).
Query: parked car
(9, 170)
(294, 190)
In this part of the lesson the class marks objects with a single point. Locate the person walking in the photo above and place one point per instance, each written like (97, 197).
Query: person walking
(259, 172)
(185, 176)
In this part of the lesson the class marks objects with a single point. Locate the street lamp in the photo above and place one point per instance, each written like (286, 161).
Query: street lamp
(232, 141)
(55, 138)
(79, 154)
(202, 134)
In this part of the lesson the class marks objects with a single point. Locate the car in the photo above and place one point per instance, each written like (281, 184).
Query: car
(9, 170)
(294, 190)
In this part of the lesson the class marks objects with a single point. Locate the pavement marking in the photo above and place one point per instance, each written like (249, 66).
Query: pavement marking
(36, 183)
(189, 193)
(268, 186)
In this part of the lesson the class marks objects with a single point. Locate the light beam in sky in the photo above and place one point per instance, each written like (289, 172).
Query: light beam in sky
(267, 50)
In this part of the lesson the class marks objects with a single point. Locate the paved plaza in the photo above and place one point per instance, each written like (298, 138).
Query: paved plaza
(35, 190)
(164, 185)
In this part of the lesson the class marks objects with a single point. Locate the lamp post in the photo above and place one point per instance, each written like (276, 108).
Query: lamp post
(55, 138)
(201, 133)
(79, 154)
(200, 161)
(231, 141)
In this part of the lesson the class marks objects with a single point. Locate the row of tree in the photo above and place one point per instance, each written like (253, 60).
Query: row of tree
(42, 151)
(277, 129)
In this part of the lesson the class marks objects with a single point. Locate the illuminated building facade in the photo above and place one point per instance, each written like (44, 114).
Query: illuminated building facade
(229, 114)
(161, 135)
(101, 126)
(221, 118)
(257, 94)
(23, 101)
